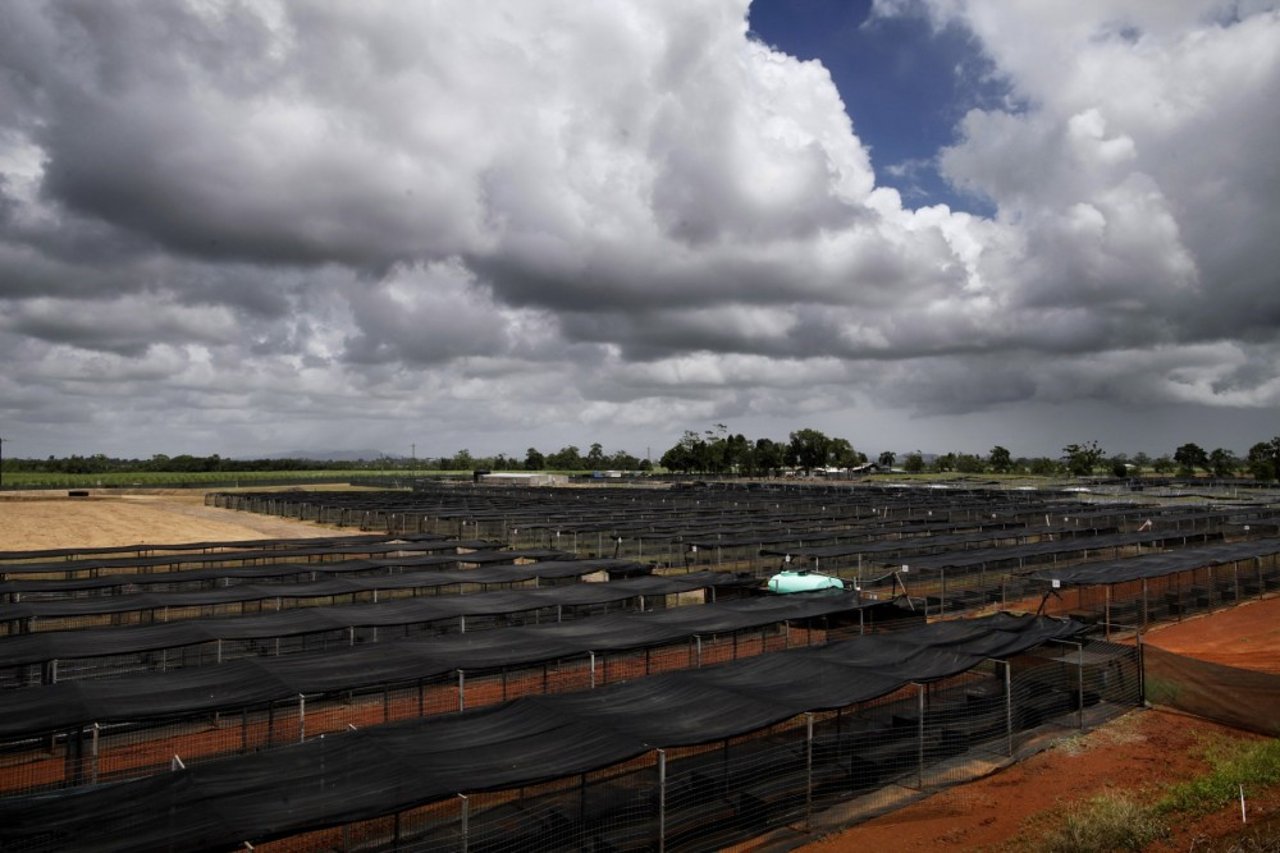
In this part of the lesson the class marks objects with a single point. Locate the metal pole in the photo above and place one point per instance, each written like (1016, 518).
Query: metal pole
(462, 846)
(93, 752)
(593, 669)
(920, 732)
(662, 801)
(808, 769)
(462, 691)
(302, 718)
(1142, 679)
(1080, 680)
(1107, 611)
(1008, 703)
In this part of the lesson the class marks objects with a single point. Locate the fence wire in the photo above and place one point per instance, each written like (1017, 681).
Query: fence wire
(859, 759)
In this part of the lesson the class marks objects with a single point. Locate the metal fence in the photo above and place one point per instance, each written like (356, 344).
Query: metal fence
(1166, 598)
(857, 760)
(94, 752)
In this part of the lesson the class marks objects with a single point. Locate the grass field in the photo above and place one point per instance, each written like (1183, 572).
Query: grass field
(202, 479)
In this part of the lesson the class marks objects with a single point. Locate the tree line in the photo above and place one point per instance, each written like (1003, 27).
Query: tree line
(1089, 459)
(718, 452)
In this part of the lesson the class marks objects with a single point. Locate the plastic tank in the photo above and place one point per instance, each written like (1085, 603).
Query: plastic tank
(789, 581)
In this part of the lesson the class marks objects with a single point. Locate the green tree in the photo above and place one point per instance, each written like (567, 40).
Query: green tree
(842, 455)
(622, 461)
(1190, 457)
(533, 460)
(565, 459)
(734, 452)
(887, 458)
(970, 463)
(767, 456)
(1000, 460)
(688, 454)
(1163, 465)
(1261, 461)
(1223, 463)
(808, 449)
(595, 457)
(1043, 466)
(914, 463)
(1140, 462)
(1081, 459)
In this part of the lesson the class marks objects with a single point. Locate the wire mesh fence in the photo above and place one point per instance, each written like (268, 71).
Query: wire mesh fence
(93, 752)
(1171, 597)
(861, 759)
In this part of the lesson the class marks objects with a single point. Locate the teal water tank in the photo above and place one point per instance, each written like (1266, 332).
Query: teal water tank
(790, 581)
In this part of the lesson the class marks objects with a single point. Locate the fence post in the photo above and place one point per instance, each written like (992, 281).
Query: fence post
(698, 639)
(462, 691)
(1080, 680)
(593, 670)
(1008, 702)
(1142, 673)
(302, 718)
(93, 752)
(808, 770)
(662, 801)
(920, 733)
(463, 820)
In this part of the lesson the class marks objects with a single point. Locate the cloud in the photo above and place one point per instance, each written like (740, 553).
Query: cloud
(272, 219)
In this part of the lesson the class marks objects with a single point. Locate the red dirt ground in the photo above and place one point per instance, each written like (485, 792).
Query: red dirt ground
(1143, 752)
(1247, 636)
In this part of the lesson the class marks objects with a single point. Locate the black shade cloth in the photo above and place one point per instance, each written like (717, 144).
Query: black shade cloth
(1159, 565)
(248, 682)
(380, 770)
(39, 647)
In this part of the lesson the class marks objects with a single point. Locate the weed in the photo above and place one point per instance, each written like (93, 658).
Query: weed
(1251, 764)
(1104, 823)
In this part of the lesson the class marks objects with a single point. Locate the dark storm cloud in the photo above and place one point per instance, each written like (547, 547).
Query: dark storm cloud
(510, 216)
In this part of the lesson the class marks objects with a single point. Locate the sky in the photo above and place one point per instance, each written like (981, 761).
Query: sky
(942, 225)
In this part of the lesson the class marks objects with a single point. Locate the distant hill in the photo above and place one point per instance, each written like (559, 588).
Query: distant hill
(329, 455)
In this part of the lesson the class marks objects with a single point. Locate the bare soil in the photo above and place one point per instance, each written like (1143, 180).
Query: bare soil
(40, 520)
(1247, 636)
